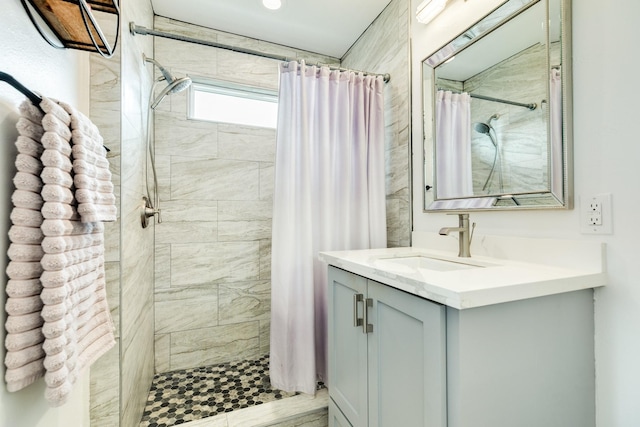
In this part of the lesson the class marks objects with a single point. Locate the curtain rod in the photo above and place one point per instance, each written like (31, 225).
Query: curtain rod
(532, 106)
(137, 29)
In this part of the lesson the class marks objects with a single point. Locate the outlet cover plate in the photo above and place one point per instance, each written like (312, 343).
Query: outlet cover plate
(596, 216)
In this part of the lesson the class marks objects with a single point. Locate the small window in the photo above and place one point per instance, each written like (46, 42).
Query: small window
(226, 102)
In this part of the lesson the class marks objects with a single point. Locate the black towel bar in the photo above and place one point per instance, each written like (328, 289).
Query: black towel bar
(33, 97)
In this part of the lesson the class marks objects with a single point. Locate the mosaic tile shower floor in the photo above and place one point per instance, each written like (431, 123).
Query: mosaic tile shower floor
(192, 394)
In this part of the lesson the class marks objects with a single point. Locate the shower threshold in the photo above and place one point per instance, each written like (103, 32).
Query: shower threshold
(228, 395)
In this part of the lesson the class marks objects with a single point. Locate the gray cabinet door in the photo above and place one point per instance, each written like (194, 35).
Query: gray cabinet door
(407, 360)
(336, 419)
(347, 346)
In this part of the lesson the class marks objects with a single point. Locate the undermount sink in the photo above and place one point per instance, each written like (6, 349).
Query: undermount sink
(429, 263)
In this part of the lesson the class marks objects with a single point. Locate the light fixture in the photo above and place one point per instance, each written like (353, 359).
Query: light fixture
(429, 9)
(272, 4)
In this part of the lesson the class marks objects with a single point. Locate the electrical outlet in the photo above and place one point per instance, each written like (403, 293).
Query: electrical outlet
(595, 214)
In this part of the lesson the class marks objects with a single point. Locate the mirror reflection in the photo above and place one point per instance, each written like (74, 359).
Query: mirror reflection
(496, 96)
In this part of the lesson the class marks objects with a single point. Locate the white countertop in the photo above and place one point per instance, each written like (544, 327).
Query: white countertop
(495, 280)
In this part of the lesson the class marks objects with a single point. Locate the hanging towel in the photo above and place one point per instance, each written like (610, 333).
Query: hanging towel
(58, 321)
(25, 357)
(77, 326)
(92, 178)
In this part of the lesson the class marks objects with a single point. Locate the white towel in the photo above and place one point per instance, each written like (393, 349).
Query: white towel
(77, 323)
(24, 358)
(89, 159)
(58, 321)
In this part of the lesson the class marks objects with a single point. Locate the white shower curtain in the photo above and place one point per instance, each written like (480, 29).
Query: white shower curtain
(329, 195)
(453, 145)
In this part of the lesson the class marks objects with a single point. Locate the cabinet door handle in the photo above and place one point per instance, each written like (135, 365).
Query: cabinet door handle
(366, 326)
(356, 299)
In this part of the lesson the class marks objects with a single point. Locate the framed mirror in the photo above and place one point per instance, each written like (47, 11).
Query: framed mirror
(497, 112)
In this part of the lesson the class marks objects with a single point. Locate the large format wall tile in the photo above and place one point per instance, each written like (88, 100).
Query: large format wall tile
(236, 231)
(205, 263)
(186, 232)
(202, 347)
(241, 302)
(246, 143)
(216, 179)
(171, 305)
(162, 352)
(177, 136)
(189, 210)
(105, 389)
(162, 278)
(266, 181)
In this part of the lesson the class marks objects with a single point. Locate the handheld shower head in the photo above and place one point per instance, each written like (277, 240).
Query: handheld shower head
(174, 85)
(486, 128)
(482, 128)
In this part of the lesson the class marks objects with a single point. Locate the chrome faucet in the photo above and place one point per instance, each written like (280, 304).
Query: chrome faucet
(464, 240)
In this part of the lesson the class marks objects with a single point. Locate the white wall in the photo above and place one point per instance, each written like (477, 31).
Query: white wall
(606, 156)
(60, 74)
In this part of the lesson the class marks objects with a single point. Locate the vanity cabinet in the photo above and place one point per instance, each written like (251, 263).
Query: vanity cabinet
(525, 363)
(386, 355)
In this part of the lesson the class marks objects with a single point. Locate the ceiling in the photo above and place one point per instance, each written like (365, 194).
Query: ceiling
(328, 27)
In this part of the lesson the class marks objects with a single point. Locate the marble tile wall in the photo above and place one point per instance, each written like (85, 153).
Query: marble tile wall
(137, 244)
(105, 113)
(213, 248)
(119, 92)
(384, 48)
(521, 132)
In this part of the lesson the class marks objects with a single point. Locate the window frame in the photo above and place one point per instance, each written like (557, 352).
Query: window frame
(226, 88)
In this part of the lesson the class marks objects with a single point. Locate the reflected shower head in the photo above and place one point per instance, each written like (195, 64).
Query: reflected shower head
(482, 128)
(174, 85)
(485, 128)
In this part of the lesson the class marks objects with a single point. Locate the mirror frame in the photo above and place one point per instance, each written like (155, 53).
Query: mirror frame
(520, 201)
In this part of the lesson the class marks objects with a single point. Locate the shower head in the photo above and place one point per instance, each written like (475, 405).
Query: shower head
(174, 85)
(485, 128)
(482, 128)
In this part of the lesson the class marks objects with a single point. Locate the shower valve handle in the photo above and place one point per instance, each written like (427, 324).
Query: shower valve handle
(149, 211)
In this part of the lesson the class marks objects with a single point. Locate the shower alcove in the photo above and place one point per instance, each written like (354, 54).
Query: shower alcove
(193, 292)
